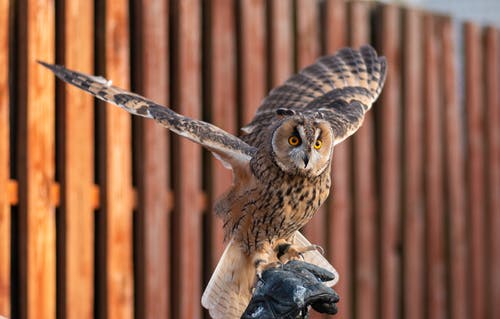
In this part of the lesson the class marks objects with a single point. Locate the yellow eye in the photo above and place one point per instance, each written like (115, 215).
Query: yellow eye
(317, 144)
(293, 140)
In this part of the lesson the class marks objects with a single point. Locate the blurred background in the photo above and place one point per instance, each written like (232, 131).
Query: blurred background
(103, 215)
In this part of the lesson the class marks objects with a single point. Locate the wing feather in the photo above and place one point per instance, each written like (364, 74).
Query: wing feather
(339, 88)
(231, 150)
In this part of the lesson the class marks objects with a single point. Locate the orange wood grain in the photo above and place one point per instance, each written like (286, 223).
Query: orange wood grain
(475, 166)
(413, 216)
(77, 163)
(252, 52)
(223, 111)
(433, 177)
(36, 161)
(339, 234)
(153, 164)
(388, 109)
(116, 190)
(455, 177)
(365, 204)
(492, 109)
(5, 222)
(187, 166)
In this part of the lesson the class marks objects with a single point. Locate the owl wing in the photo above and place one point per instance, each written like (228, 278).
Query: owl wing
(339, 88)
(231, 150)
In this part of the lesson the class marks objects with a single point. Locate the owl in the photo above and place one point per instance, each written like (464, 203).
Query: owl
(281, 163)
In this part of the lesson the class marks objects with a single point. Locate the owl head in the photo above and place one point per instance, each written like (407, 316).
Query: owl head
(302, 144)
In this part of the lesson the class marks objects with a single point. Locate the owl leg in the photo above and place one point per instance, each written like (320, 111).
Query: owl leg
(263, 260)
(286, 251)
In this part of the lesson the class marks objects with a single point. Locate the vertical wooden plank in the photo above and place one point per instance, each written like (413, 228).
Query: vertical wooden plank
(455, 179)
(5, 224)
(365, 279)
(223, 104)
(308, 50)
(187, 218)
(116, 180)
(252, 50)
(492, 109)
(340, 219)
(475, 169)
(413, 224)
(77, 165)
(281, 63)
(36, 160)
(390, 170)
(153, 167)
(433, 179)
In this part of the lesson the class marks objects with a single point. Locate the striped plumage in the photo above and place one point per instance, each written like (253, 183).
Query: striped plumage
(281, 164)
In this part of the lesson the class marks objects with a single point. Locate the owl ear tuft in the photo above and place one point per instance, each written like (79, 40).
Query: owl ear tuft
(285, 112)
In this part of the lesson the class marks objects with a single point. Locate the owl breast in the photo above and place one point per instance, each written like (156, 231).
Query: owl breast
(274, 207)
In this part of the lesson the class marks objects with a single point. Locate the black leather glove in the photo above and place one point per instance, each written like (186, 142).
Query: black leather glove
(287, 292)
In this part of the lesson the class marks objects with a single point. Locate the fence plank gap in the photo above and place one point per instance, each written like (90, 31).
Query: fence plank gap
(5, 196)
(455, 178)
(413, 219)
(389, 182)
(36, 161)
(492, 134)
(475, 162)
(365, 276)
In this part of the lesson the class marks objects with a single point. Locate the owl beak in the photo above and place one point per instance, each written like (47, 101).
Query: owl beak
(306, 160)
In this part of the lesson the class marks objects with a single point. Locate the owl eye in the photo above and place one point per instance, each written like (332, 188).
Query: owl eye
(318, 144)
(293, 140)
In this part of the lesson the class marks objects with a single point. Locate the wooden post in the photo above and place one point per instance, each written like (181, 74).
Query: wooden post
(389, 115)
(308, 50)
(76, 120)
(364, 185)
(153, 163)
(455, 178)
(5, 223)
(36, 161)
(413, 219)
(339, 233)
(281, 42)
(223, 87)
(252, 55)
(187, 165)
(492, 138)
(475, 169)
(433, 178)
(115, 284)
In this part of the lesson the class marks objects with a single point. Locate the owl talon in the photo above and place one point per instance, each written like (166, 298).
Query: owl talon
(286, 252)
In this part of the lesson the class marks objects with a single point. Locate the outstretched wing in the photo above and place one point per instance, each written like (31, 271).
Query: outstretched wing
(226, 147)
(339, 88)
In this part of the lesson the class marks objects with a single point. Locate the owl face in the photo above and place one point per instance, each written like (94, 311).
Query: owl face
(302, 145)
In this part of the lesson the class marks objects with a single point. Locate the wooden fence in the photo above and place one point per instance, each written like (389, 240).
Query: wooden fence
(108, 216)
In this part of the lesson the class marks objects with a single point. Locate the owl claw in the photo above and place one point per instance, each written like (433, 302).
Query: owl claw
(286, 252)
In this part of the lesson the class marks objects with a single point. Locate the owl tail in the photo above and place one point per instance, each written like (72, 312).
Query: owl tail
(229, 289)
